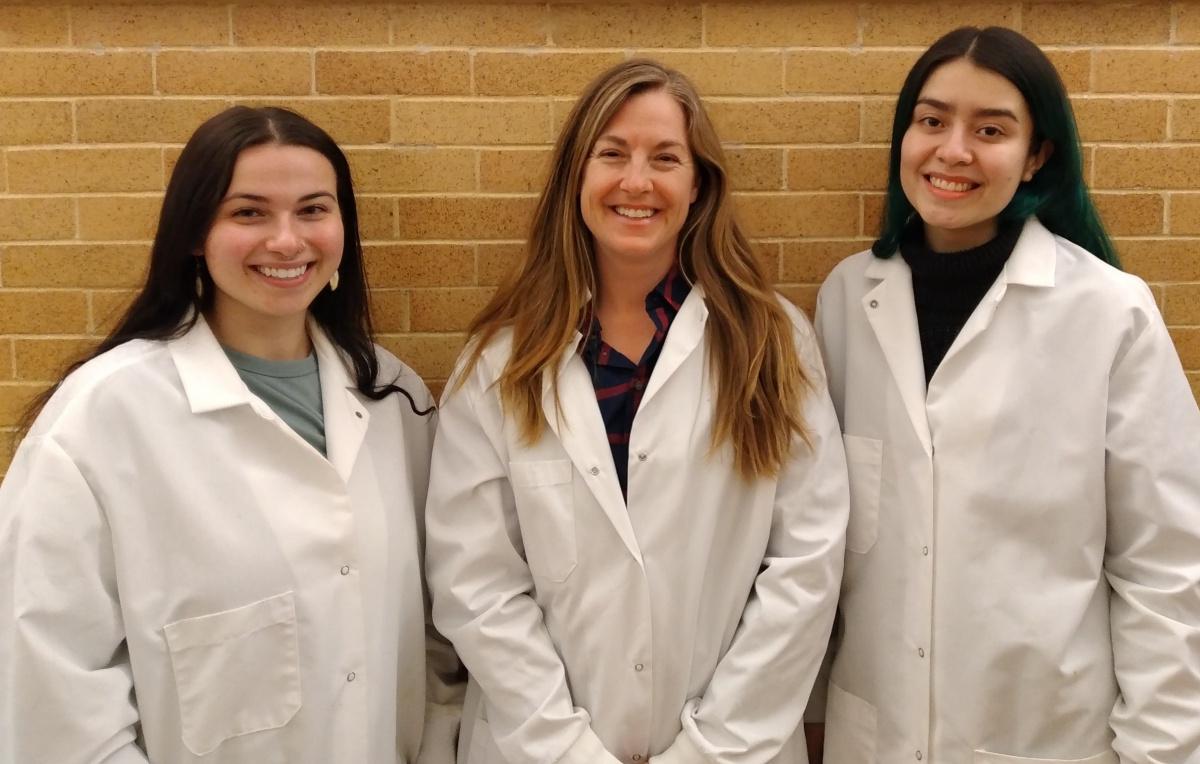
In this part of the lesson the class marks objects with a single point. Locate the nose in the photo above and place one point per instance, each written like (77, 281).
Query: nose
(285, 239)
(636, 177)
(954, 149)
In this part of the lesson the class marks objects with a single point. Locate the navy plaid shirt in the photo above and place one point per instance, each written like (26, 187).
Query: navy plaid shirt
(620, 382)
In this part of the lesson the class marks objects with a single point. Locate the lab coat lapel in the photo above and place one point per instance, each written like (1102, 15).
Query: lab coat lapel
(580, 429)
(687, 329)
(892, 314)
(346, 418)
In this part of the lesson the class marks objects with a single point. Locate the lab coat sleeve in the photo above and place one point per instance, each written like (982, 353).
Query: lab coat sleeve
(756, 697)
(66, 687)
(482, 588)
(1152, 559)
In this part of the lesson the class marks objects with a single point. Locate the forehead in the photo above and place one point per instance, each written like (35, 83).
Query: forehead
(653, 112)
(967, 87)
(272, 164)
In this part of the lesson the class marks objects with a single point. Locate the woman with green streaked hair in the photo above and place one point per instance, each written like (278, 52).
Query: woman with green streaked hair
(1023, 558)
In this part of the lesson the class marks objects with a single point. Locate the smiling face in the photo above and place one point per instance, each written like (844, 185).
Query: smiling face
(638, 183)
(965, 153)
(276, 240)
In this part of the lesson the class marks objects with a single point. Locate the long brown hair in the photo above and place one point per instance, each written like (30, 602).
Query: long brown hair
(759, 380)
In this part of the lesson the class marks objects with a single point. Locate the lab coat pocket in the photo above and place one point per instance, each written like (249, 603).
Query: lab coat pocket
(984, 757)
(546, 511)
(849, 728)
(864, 459)
(237, 671)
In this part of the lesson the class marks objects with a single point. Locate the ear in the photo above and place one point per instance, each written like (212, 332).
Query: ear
(1036, 160)
(695, 192)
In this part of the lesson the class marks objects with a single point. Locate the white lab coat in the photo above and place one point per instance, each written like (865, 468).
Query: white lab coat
(185, 579)
(687, 627)
(1023, 569)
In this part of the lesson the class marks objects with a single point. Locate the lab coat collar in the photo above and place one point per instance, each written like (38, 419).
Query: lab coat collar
(209, 380)
(1032, 260)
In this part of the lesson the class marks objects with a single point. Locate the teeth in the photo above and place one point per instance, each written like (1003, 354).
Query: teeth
(630, 212)
(282, 273)
(946, 185)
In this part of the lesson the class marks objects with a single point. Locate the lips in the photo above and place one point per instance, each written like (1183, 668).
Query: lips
(953, 185)
(289, 273)
(634, 213)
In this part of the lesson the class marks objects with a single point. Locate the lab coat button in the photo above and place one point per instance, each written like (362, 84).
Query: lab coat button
(594, 470)
(920, 756)
(350, 677)
(636, 757)
(358, 414)
(642, 456)
(921, 652)
(874, 303)
(638, 667)
(345, 570)
(925, 551)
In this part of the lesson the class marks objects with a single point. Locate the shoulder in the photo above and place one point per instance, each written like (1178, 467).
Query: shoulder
(1083, 269)
(849, 276)
(394, 371)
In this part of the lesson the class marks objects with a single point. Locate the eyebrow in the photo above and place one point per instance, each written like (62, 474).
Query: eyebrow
(943, 106)
(263, 199)
(622, 142)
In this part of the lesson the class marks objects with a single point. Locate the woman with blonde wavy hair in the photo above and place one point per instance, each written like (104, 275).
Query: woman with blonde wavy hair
(638, 496)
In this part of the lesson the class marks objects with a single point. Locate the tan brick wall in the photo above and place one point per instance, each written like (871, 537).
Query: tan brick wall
(447, 111)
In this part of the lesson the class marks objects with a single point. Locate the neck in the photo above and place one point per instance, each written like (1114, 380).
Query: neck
(275, 339)
(622, 286)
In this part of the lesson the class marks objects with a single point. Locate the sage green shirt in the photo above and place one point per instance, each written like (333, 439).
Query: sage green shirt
(291, 388)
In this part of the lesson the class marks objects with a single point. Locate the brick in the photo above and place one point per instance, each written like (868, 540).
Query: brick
(623, 25)
(420, 265)
(348, 120)
(75, 265)
(1187, 22)
(23, 219)
(118, 218)
(310, 25)
(1161, 167)
(431, 355)
(1185, 214)
(497, 261)
(790, 121)
(1147, 71)
(810, 261)
(553, 73)
(1176, 259)
(872, 214)
(412, 169)
(1051, 23)
(447, 310)
(780, 24)
(889, 24)
(32, 122)
(1121, 119)
(1187, 343)
(393, 73)
(234, 72)
(142, 120)
(458, 217)
(376, 217)
(7, 448)
(107, 308)
(1194, 381)
(6, 359)
(793, 215)
(45, 359)
(1185, 119)
(40, 27)
(471, 122)
(1131, 214)
(755, 169)
(877, 117)
(803, 296)
(473, 24)
(880, 72)
(84, 169)
(73, 73)
(42, 312)
(513, 170)
(143, 25)
(390, 310)
(1182, 304)
(14, 401)
(1074, 68)
(731, 73)
(838, 169)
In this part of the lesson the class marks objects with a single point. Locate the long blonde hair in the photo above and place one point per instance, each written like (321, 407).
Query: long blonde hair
(759, 379)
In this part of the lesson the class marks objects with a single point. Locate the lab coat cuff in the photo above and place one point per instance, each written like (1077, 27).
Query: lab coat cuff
(588, 749)
(683, 751)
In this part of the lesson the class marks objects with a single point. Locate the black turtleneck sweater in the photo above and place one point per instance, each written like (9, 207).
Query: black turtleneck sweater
(948, 285)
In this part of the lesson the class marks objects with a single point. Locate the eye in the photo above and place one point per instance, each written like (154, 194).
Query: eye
(607, 154)
(991, 131)
(314, 210)
(929, 121)
(667, 159)
(247, 212)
